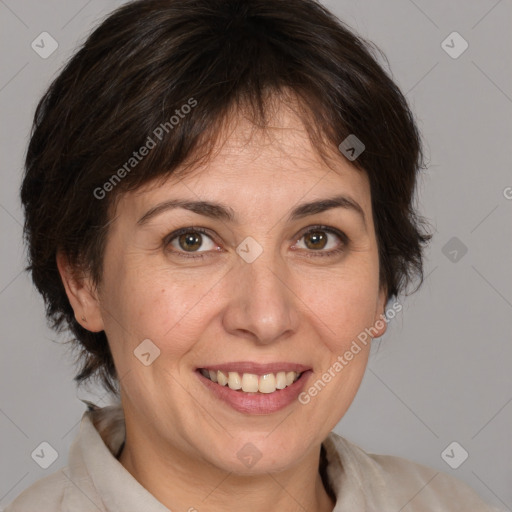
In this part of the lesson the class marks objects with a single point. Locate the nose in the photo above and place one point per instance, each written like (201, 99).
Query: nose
(263, 304)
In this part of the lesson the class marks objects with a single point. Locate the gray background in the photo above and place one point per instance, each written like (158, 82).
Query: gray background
(442, 371)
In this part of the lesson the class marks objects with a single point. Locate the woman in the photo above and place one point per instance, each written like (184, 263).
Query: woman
(218, 201)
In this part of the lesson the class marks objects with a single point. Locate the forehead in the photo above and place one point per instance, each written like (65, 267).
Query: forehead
(253, 167)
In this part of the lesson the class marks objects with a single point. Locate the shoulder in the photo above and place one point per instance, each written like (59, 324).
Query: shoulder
(91, 468)
(44, 495)
(389, 481)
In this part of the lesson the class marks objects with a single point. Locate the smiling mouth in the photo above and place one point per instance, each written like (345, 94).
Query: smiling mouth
(250, 382)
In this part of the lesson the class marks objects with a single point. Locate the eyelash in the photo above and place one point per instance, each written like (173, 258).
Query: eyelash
(322, 254)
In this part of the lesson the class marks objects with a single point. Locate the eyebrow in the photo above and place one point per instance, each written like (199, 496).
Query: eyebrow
(225, 213)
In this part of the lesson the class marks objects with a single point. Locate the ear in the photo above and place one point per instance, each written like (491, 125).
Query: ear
(82, 295)
(380, 325)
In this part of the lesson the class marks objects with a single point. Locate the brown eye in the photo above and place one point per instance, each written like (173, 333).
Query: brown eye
(324, 241)
(315, 240)
(190, 241)
(187, 241)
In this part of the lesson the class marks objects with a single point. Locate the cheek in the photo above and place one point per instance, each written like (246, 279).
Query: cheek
(155, 304)
(344, 305)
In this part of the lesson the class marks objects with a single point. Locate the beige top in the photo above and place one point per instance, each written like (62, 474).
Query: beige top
(95, 480)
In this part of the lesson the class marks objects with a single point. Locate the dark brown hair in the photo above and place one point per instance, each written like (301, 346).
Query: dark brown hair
(130, 82)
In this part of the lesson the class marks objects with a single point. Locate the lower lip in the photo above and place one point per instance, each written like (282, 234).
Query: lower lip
(257, 403)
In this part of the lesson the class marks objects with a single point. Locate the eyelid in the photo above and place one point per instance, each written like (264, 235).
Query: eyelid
(204, 231)
(321, 227)
(189, 229)
(344, 241)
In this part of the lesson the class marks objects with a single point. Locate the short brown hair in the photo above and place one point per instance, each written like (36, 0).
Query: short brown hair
(148, 60)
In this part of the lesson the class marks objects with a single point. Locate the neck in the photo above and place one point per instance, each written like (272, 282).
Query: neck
(181, 482)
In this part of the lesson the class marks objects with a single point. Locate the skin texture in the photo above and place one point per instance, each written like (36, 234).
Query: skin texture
(182, 442)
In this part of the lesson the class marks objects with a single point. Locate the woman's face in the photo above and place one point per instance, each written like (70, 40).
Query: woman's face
(266, 287)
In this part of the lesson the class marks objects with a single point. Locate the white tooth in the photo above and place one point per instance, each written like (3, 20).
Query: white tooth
(267, 383)
(250, 382)
(280, 380)
(213, 375)
(204, 373)
(290, 377)
(222, 378)
(234, 381)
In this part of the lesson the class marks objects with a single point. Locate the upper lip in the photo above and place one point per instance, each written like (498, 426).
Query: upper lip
(257, 368)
